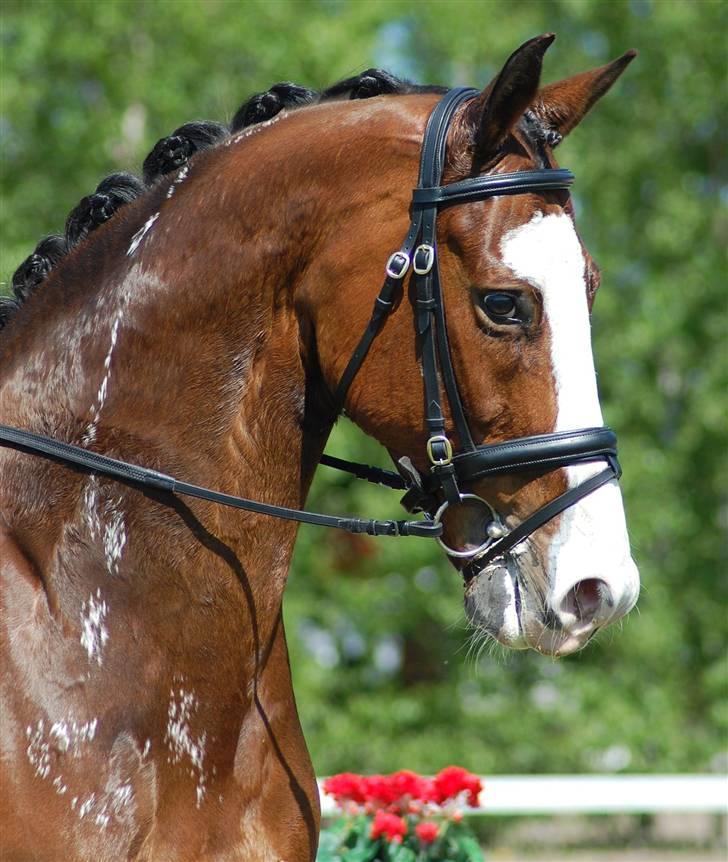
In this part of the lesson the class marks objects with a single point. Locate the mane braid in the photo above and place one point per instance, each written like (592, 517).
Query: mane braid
(93, 210)
(263, 106)
(34, 269)
(173, 152)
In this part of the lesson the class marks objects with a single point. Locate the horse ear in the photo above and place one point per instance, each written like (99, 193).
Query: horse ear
(563, 105)
(504, 100)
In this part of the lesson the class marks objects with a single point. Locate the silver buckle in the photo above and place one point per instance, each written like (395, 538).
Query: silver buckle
(402, 259)
(429, 253)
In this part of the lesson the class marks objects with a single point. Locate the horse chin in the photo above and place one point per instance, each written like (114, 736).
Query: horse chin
(493, 604)
(498, 604)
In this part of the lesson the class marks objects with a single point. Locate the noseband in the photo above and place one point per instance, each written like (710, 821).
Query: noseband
(440, 489)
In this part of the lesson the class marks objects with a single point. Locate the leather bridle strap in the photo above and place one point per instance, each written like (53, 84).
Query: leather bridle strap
(431, 326)
(539, 452)
(540, 517)
(398, 265)
(94, 462)
(478, 188)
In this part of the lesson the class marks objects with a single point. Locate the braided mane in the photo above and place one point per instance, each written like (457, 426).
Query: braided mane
(173, 152)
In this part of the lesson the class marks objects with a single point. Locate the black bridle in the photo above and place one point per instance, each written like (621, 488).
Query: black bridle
(439, 490)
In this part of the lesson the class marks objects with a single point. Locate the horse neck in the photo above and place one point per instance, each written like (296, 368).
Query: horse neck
(193, 363)
(202, 362)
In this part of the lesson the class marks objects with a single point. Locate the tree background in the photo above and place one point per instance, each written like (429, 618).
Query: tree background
(379, 648)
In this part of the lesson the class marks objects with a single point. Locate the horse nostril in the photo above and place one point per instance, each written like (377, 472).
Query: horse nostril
(586, 602)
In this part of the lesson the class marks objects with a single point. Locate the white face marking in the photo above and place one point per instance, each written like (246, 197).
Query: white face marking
(511, 627)
(94, 633)
(136, 240)
(592, 540)
(182, 706)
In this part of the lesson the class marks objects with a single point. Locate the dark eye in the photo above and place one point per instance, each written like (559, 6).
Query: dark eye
(501, 307)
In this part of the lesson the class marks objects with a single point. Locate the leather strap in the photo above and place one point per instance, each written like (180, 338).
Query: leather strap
(375, 475)
(539, 518)
(93, 462)
(478, 188)
(544, 451)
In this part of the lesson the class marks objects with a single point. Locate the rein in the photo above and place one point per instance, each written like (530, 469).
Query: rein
(449, 469)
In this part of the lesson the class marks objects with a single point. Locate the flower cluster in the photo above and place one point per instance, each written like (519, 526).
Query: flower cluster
(403, 816)
(402, 791)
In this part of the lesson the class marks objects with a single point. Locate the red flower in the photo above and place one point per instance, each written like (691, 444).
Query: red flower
(346, 787)
(392, 827)
(378, 788)
(451, 781)
(427, 831)
(406, 783)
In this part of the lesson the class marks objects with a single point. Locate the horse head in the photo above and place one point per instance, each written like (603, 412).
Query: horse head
(518, 286)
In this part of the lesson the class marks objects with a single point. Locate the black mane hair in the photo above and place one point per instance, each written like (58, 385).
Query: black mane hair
(36, 266)
(264, 106)
(111, 193)
(177, 149)
(173, 152)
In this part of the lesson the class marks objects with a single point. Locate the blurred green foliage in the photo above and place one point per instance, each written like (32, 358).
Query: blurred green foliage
(383, 674)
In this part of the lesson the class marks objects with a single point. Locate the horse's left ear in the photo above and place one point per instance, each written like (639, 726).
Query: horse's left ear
(563, 105)
(497, 109)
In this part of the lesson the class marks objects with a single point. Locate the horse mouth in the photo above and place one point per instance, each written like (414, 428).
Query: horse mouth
(499, 603)
(494, 602)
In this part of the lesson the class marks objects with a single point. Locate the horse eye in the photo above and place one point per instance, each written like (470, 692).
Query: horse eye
(501, 307)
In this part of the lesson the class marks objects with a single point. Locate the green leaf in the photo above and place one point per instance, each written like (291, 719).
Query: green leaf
(399, 853)
(329, 846)
(470, 848)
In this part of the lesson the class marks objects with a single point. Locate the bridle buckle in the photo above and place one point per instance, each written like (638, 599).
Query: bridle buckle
(439, 459)
(423, 259)
(397, 265)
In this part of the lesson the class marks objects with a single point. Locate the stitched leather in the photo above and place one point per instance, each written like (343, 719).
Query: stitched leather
(478, 188)
(543, 450)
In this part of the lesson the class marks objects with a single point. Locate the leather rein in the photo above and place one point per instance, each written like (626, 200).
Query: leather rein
(449, 470)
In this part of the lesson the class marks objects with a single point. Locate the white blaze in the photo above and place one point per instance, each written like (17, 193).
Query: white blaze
(592, 538)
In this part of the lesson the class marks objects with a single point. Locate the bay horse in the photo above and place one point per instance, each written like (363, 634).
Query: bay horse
(211, 329)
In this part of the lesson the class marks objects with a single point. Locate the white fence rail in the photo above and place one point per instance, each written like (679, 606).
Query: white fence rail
(594, 794)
